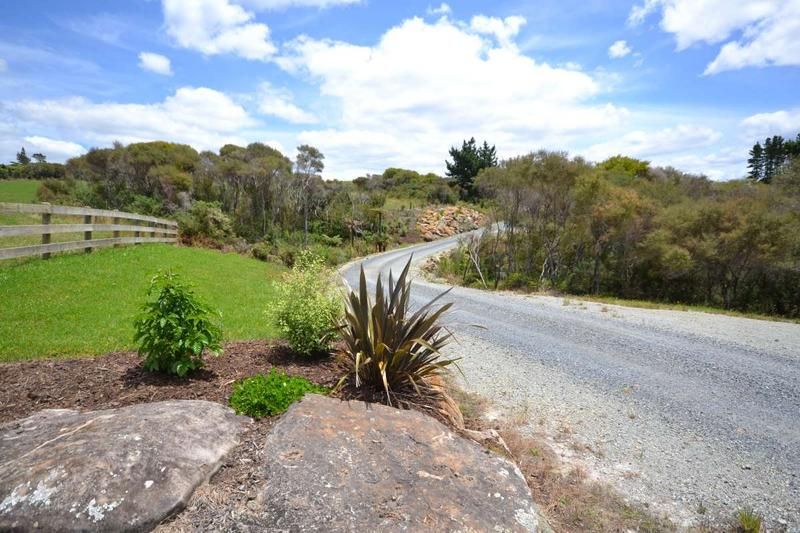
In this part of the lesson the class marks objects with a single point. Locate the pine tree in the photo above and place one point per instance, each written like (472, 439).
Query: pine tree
(467, 162)
(756, 163)
(769, 161)
(22, 157)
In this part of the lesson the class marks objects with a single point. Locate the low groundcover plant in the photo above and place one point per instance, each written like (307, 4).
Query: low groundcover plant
(259, 396)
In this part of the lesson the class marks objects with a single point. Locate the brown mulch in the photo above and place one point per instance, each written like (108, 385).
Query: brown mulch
(118, 379)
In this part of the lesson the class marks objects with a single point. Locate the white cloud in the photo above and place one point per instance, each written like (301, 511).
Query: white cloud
(285, 4)
(688, 147)
(201, 117)
(278, 103)
(504, 30)
(651, 144)
(3, 65)
(425, 86)
(53, 148)
(619, 49)
(155, 63)
(443, 10)
(755, 33)
(217, 27)
(784, 122)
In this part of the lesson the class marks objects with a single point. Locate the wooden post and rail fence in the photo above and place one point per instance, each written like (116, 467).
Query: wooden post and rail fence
(154, 229)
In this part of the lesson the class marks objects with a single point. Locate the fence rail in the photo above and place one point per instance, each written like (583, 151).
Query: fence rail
(156, 229)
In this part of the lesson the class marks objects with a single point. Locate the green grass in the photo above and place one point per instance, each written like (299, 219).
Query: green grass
(81, 304)
(18, 191)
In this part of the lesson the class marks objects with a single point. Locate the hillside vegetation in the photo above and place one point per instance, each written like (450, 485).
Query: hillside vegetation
(86, 304)
(621, 228)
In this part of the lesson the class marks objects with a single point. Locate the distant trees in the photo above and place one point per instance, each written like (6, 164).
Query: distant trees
(622, 228)
(467, 162)
(767, 160)
(22, 157)
(250, 193)
(308, 166)
(23, 167)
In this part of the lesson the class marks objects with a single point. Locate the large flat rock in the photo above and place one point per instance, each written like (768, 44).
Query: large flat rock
(117, 470)
(348, 466)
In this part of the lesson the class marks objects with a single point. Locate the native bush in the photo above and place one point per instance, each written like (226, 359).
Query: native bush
(175, 328)
(390, 352)
(307, 305)
(205, 222)
(259, 396)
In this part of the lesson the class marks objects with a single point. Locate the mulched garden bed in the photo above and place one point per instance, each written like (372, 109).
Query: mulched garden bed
(117, 379)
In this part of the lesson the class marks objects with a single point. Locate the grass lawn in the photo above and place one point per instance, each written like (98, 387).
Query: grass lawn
(81, 304)
(18, 191)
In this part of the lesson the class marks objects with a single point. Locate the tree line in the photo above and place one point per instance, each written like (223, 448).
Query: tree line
(32, 167)
(623, 228)
(254, 195)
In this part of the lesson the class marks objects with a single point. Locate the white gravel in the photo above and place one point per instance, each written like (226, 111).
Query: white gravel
(678, 410)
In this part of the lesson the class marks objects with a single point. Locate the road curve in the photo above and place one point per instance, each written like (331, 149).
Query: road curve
(695, 414)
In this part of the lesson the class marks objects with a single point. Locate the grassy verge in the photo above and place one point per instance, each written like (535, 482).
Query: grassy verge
(85, 304)
(646, 304)
(18, 191)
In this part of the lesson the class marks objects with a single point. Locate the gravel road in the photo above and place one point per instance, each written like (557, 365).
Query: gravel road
(694, 414)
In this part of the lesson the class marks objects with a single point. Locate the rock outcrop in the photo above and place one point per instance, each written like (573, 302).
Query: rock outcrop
(447, 221)
(115, 470)
(349, 466)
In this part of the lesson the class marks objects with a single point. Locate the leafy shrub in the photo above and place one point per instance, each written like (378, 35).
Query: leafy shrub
(262, 251)
(269, 395)
(307, 305)
(389, 351)
(205, 221)
(175, 328)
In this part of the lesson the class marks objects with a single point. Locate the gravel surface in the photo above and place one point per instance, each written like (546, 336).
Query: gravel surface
(695, 414)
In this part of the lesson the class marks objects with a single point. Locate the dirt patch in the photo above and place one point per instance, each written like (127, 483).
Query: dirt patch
(117, 379)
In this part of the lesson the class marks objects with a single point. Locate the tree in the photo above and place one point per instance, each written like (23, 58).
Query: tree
(39, 157)
(308, 165)
(467, 163)
(22, 157)
(626, 165)
(756, 163)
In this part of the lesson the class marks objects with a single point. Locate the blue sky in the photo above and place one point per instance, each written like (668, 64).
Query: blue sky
(688, 83)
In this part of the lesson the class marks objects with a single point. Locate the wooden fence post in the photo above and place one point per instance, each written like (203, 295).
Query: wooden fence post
(87, 235)
(46, 236)
(136, 234)
(116, 233)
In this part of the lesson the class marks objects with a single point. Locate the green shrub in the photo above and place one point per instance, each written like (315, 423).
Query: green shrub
(269, 395)
(205, 222)
(175, 328)
(262, 251)
(308, 305)
(389, 351)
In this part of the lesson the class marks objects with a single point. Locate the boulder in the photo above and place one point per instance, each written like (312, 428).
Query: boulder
(350, 466)
(116, 470)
